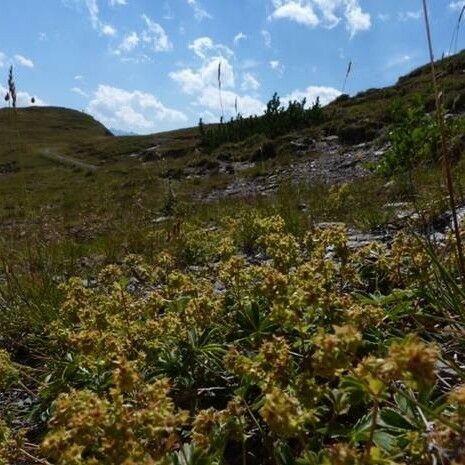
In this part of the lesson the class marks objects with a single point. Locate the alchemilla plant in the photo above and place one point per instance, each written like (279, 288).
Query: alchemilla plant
(247, 343)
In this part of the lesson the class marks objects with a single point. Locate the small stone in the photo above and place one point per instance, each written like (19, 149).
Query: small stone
(162, 219)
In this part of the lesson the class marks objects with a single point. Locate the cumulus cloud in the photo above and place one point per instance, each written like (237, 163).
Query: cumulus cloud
(328, 13)
(118, 2)
(193, 81)
(134, 111)
(129, 43)
(155, 36)
(199, 13)
(249, 82)
(24, 98)
(357, 20)
(201, 82)
(246, 104)
(152, 38)
(311, 93)
(204, 47)
(297, 11)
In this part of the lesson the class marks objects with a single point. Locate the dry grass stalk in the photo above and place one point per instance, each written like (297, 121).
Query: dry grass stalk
(455, 36)
(12, 87)
(444, 145)
(219, 90)
(349, 69)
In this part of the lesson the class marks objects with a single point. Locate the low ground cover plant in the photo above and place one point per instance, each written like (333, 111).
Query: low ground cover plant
(248, 343)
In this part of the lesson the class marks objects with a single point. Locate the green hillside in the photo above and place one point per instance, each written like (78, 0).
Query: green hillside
(48, 125)
(293, 297)
(355, 119)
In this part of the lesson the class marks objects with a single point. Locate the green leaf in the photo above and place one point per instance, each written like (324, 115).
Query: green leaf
(394, 419)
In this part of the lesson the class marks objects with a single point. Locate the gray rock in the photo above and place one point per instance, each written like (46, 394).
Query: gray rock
(162, 219)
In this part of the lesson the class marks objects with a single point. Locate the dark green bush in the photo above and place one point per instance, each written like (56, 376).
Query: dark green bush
(414, 139)
(276, 121)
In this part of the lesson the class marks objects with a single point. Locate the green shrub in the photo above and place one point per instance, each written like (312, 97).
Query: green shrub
(414, 139)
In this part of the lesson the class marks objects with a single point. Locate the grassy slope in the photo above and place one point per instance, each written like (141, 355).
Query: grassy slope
(79, 134)
(62, 221)
(125, 193)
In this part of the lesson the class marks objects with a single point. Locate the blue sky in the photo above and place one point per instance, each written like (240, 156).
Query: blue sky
(151, 65)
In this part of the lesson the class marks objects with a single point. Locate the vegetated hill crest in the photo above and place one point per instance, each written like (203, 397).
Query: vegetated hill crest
(45, 124)
(355, 119)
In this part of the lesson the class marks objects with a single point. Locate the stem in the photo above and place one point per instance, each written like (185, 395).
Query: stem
(34, 459)
(445, 149)
(31, 393)
(374, 420)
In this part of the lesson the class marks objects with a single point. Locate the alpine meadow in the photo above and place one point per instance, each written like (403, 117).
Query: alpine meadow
(232, 232)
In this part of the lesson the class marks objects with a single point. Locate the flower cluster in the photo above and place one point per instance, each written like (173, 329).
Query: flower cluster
(136, 423)
(8, 373)
(290, 348)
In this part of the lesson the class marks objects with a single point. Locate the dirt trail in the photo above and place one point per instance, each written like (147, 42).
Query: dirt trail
(50, 154)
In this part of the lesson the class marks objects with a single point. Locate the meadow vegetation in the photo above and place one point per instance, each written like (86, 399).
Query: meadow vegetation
(141, 325)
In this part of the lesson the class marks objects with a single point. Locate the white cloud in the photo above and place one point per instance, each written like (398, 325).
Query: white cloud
(155, 36)
(118, 2)
(267, 38)
(194, 81)
(296, 11)
(92, 7)
(249, 82)
(326, 95)
(79, 91)
(3, 59)
(408, 15)
(328, 13)
(357, 20)
(78, 77)
(23, 61)
(199, 12)
(132, 111)
(202, 82)
(129, 43)
(238, 37)
(108, 30)
(247, 105)
(94, 16)
(152, 37)
(23, 98)
(204, 46)
(277, 66)
(43, 36)
(328, 9)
